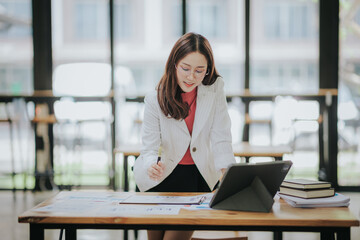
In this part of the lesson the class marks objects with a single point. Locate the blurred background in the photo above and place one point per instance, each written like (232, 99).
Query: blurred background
(119, 49)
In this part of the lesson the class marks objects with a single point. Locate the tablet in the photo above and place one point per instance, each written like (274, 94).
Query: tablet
(250, 187)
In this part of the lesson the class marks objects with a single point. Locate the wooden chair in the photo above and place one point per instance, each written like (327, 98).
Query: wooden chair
(44, 171)
(219, 235)
(258, 112)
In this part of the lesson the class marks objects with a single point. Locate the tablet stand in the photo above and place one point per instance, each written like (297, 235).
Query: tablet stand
(254, 198)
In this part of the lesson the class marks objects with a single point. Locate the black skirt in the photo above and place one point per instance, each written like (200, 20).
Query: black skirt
(184, 178)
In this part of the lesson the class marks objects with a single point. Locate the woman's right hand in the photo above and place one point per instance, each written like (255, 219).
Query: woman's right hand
(156, 171)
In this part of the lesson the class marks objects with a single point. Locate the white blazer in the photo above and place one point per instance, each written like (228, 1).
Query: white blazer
(210, 143)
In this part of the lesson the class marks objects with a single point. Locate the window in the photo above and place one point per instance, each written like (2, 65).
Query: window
(289, 20)
(80, 31)
(91, 20)
(18, 24)
(123, 20)
(209, 18)
(16, 49)
(284, 45)
(349, 94)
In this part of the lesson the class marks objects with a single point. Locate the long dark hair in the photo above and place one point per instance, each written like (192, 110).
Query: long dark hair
(169, 92)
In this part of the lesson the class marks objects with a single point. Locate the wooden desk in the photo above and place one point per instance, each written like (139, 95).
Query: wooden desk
(327, 221)
(240, 150)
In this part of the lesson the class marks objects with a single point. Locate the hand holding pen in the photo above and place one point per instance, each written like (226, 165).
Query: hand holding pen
(156, 170)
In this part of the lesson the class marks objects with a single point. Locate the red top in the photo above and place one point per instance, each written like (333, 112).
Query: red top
(189, 98)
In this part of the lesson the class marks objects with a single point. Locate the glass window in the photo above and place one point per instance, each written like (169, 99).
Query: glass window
(208, 17)
(16, 48)
(89, 20)
(284, 35)
(122, 19)
(349, 94)
(18, 15)
(173, 27)
(272, 22)
(80, 31)
(286, 20)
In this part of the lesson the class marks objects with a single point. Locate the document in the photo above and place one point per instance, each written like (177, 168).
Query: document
(126, 210)
(168, 200)
(338, 200)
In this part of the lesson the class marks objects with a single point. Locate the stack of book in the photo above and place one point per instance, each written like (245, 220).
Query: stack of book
(308, 193)
(305, 188)
(338, 200)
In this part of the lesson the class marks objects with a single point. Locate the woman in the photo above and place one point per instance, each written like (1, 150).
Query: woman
(187, 117)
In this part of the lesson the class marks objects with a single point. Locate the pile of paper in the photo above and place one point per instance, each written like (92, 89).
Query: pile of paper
(338, 200)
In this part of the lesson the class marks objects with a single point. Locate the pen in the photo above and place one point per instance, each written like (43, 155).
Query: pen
(159, 156)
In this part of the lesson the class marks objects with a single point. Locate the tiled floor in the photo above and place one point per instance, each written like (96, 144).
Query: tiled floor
(10, 229)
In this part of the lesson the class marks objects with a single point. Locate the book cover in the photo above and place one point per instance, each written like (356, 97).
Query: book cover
(305, 184)
(312, 193)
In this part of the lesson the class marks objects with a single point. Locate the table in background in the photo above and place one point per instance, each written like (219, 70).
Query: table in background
(127, 150)
(283, 218)
(327, 99)
(247, 151)
(240, 150)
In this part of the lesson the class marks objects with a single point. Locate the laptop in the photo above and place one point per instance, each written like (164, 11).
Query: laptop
(249, 186)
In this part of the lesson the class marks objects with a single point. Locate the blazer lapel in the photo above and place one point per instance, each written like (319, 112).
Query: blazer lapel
(182, 125)
(204, 102)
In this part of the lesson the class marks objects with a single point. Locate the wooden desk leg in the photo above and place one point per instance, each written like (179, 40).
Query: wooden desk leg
(327, 235)
(126, 174)
(343, 234)
(126, 187)
(322, 165)
(246, 130)
(70, 233)
(277, 235)
(126, 234)
(36, 232)
(247, 159)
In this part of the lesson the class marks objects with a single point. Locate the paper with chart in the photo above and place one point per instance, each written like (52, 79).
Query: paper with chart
(105, 205)
(169, 200)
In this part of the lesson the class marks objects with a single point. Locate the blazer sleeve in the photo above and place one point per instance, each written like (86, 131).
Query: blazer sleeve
(151, 138)
(220, 134)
